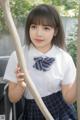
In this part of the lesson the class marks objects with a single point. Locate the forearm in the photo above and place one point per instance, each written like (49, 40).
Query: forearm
(16, 91)
(69, 93)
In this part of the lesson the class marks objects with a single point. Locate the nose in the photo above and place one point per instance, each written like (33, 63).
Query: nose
(39, 32)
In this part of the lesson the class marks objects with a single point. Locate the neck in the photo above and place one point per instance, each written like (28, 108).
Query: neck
(44, 49)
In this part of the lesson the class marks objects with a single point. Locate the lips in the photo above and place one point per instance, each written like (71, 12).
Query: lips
(38, 40)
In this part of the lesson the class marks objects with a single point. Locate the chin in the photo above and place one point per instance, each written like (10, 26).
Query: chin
(38, 45)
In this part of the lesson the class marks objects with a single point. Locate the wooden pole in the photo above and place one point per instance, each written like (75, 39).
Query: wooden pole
(78, 67)
(8, 18)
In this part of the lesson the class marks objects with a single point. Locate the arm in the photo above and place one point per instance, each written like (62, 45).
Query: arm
(69, 92)
(68, 83)
(16, 90)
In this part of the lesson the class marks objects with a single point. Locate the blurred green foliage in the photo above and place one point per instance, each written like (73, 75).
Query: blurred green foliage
(72, 44)
(20, 9)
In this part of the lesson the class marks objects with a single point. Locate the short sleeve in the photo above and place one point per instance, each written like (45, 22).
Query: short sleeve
(11, 68)
(70, 72)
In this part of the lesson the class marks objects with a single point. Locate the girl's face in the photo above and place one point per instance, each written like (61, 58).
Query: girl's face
(41, 36)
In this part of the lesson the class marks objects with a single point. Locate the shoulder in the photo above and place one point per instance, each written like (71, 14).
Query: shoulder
(64, 59)
(65, 55)
(67, 62)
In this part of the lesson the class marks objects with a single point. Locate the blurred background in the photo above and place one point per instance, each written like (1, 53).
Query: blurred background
(20, 8)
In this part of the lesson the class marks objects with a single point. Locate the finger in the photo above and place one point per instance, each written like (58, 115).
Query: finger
(20, 75)
(18, 69)
(20, 80)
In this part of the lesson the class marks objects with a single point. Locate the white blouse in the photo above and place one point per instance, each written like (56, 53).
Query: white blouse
(62, 71)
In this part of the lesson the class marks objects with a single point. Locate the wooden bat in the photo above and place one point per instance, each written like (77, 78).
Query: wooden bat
(9, 21)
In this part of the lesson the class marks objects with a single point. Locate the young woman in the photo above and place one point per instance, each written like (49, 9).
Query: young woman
(51, 68)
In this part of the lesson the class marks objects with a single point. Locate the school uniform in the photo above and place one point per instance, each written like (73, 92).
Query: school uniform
(48, 71)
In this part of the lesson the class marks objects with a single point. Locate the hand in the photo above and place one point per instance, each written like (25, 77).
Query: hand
(20, 77)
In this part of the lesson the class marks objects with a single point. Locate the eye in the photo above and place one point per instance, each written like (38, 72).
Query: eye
(46, 27)
(33, 26)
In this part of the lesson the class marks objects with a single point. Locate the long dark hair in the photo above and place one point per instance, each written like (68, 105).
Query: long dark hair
(46, 15)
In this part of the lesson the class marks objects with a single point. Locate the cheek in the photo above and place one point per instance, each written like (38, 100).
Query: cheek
(49, 36)
(30, 33)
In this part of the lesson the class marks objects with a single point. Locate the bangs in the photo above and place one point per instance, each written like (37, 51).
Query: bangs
(42, 20)
(42, 17)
